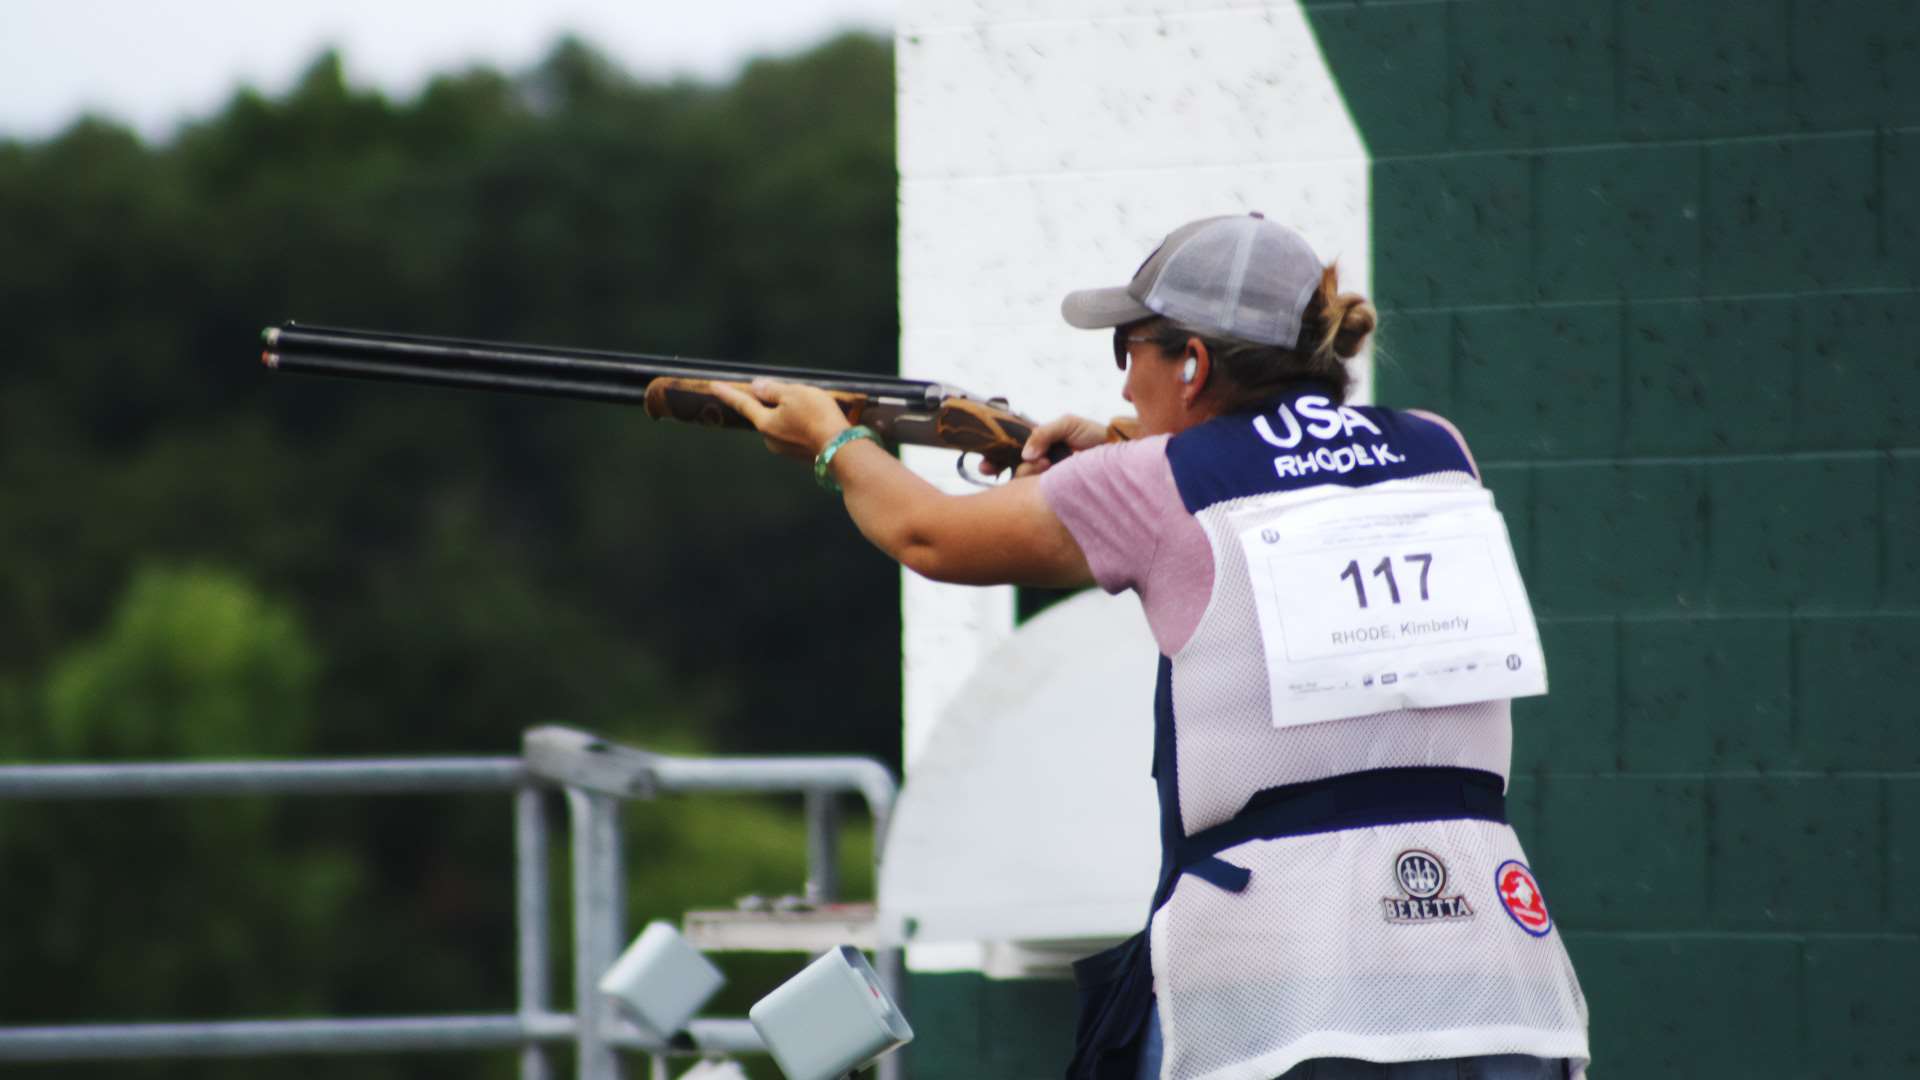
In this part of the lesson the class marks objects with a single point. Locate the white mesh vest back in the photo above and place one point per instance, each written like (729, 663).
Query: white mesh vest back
(1229, 748)
(1402, 941)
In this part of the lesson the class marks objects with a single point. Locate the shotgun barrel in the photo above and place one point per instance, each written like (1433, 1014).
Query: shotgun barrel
(592, 374)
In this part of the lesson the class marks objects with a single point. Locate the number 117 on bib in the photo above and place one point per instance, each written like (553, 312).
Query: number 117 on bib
(1384, 569)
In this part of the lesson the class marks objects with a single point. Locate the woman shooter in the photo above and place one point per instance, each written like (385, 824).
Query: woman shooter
(1341, 628)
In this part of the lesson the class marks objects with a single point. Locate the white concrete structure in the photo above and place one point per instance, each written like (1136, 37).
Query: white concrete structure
(1030, 815)
(1048, 146)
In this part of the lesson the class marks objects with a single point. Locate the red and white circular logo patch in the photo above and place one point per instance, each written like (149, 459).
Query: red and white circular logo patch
(1520, 895)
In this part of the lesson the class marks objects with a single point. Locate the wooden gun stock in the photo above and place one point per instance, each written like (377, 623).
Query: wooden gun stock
(692, 401)
(997, 435)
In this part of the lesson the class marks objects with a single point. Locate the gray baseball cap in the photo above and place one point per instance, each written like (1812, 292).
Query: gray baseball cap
(1237, 276)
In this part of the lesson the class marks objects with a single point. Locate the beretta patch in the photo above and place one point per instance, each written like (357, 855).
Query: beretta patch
(1423, 877)
(1520, 895)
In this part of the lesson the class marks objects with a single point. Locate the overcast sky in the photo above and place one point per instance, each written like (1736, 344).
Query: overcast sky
(152, 64)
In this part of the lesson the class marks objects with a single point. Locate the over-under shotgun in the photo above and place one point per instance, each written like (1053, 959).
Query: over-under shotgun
(670, 387)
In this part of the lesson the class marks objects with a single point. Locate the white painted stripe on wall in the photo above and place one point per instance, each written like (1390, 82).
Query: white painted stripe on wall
(1048, 146)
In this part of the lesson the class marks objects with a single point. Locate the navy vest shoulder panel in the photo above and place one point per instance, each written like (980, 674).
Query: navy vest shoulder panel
(1303, 439)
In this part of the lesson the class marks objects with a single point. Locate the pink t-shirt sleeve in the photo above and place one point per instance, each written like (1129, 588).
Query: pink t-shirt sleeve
(1115, 500)
(1123, 508)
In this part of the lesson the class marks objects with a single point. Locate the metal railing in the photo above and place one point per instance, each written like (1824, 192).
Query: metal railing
(596, 777)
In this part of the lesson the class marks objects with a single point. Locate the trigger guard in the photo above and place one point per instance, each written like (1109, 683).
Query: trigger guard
(960, 466)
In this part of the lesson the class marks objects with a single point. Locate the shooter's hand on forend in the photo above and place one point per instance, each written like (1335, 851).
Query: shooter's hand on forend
(794, 419)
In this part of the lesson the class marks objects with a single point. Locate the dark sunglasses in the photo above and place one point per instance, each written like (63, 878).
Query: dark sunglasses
(1121, 340)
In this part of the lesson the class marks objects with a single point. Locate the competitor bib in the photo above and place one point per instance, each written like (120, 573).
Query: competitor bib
(1379, 600)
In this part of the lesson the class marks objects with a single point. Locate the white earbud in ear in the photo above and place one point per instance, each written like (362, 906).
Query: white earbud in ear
(1190, 369)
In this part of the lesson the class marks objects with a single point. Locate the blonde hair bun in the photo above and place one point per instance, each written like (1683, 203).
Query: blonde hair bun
(1345, 319)
(1353, 319)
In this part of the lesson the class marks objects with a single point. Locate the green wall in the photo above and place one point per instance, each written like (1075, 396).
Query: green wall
(1659, 261)
(969, 1027)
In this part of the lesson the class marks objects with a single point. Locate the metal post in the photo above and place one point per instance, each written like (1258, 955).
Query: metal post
(890, 968)
(531, 918)
(823, 847)
(599, 905)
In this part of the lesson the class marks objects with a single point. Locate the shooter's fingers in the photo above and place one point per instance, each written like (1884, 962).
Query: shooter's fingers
(739, 401)
(770, 391)
(1076, 432)
(992, 469)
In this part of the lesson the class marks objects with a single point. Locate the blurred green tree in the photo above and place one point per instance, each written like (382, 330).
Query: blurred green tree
(444, 569)
(749, 220)
(126, 898)
(194, 664)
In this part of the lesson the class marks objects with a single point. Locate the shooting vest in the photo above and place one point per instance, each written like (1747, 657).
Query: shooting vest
(1345, 888)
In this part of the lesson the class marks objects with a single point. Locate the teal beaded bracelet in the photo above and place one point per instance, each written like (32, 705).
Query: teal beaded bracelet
(821, 475)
